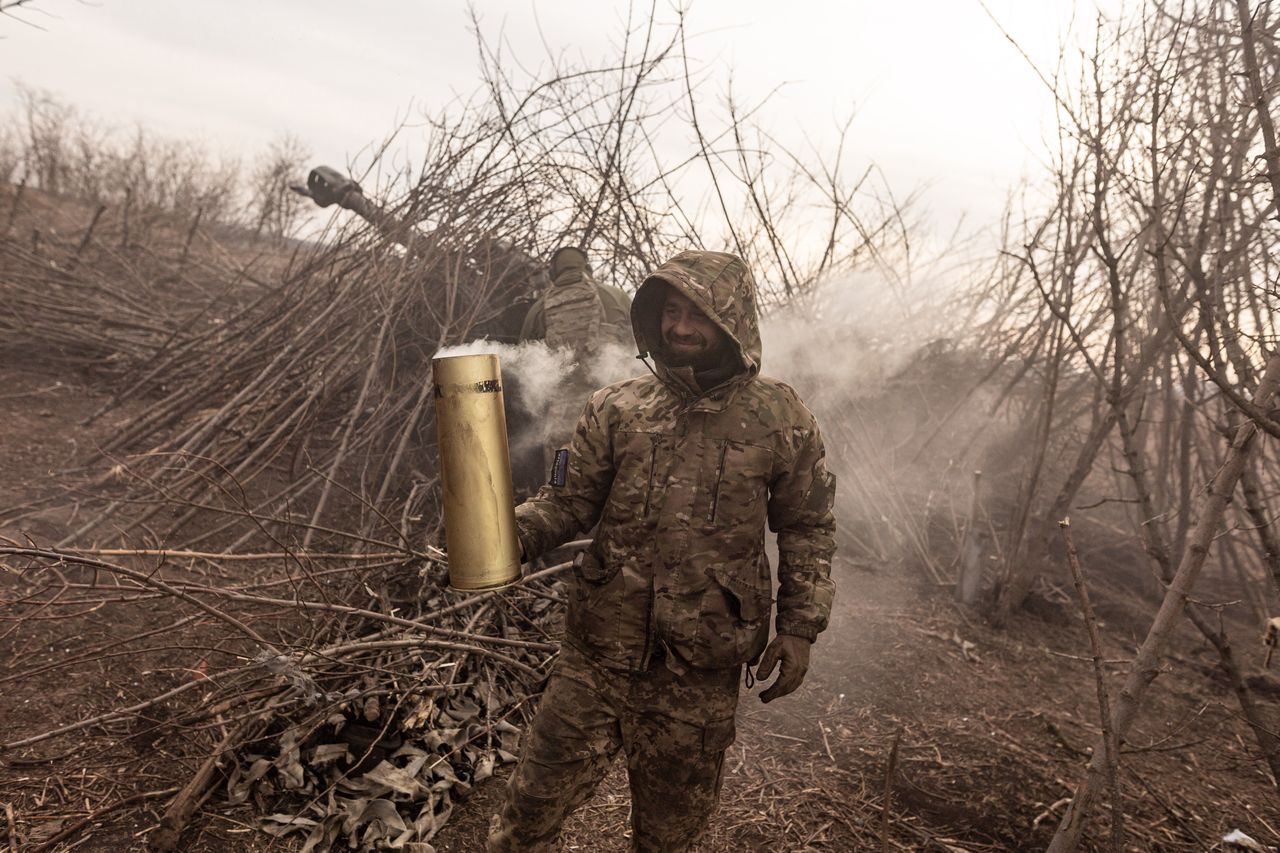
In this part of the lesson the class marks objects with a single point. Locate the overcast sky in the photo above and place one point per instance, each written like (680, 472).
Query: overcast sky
(941, 100)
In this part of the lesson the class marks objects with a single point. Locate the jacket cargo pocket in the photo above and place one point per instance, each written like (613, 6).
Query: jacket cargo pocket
(718, 736)
(733, 622)
(594, 614)
(748, 602)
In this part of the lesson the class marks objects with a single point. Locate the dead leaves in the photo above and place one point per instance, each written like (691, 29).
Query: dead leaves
(403, 800)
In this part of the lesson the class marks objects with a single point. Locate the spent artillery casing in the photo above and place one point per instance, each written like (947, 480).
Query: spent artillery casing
(475, 472)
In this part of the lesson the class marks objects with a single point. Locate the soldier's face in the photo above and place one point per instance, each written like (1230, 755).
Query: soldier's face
(689, 337)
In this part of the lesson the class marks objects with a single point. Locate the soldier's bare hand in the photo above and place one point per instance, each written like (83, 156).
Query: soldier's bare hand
(793, 653)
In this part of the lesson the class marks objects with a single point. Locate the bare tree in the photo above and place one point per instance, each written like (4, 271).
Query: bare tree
(274, 209)
(1145, 279)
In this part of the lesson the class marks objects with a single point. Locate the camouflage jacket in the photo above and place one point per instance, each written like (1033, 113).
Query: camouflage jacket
(682, 483)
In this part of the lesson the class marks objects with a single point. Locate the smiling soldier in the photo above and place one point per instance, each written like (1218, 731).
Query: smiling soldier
(682, 470)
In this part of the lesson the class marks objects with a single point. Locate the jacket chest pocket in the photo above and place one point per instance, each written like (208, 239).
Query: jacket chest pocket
(635, 487)
(739, 480)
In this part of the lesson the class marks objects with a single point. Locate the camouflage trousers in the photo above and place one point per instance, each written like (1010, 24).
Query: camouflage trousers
(673, 728)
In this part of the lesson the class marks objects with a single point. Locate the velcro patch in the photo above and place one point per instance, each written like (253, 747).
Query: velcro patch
(560, 468)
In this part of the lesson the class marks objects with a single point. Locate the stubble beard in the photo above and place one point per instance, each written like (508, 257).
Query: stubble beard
(704, 357)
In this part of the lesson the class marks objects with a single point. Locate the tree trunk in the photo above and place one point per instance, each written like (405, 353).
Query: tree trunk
(1146, 665)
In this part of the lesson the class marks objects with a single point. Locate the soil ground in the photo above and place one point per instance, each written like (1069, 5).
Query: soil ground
(994, 732)
(994, 726)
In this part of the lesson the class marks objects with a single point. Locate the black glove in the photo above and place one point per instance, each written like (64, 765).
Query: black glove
(793, 652)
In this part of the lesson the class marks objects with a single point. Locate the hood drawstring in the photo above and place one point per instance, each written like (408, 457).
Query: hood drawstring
(679, 392)
(644, 358)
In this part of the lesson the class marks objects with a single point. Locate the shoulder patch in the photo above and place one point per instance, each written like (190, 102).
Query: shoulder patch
(560, 468)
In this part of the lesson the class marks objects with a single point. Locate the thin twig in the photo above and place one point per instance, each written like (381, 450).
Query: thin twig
(1104, 703)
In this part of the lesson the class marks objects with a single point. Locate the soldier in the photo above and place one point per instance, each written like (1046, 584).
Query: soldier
(682, 470)
(578, 314)
(576, 311)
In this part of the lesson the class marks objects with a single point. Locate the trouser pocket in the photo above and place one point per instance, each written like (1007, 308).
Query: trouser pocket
(676, 770)
(718, 736)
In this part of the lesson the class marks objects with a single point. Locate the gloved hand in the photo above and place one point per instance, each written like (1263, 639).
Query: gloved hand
(793, 652)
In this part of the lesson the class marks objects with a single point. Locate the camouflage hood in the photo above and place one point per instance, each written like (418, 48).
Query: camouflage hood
(722, 287)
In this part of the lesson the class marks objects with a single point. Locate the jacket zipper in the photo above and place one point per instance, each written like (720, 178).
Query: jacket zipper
(653, 466)
(715, 494)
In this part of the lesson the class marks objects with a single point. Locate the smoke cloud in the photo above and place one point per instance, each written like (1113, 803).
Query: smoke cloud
(863, 352)
(845, 339)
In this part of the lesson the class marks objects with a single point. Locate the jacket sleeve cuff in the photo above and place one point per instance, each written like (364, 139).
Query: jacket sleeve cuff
(526, 541)
(798, 629)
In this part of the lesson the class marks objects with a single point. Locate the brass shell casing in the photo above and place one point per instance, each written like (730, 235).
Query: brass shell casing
(475, 472)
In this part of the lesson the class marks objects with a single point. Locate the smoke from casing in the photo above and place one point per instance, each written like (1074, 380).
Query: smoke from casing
(549, 387)
(535, 367)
